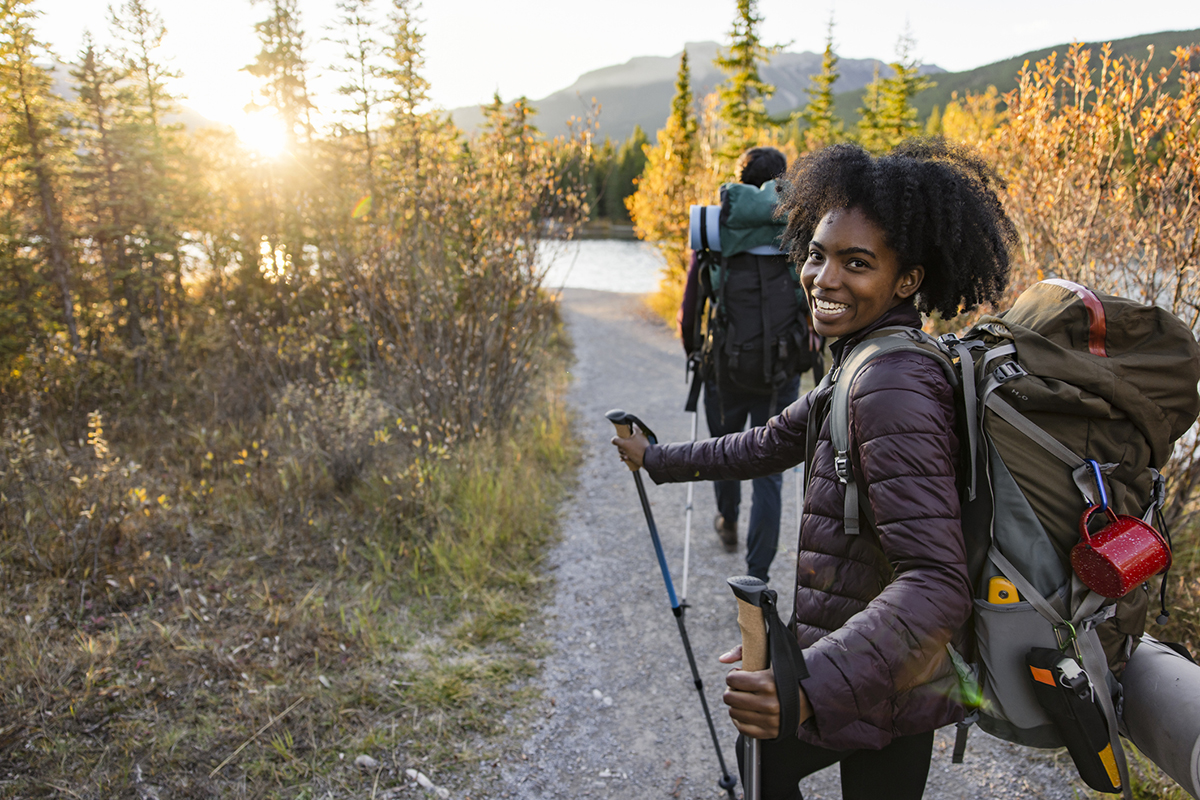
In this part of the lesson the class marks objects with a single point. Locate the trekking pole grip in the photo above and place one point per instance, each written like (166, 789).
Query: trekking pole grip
(624, 423)
(751, 621)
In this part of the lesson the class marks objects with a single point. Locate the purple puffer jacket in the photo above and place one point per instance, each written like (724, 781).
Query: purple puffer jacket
(873, 612)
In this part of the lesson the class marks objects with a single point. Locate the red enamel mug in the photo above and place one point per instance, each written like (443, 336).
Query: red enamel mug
(1121, 555)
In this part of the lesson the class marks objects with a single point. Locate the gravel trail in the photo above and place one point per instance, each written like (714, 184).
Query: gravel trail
(619, 716)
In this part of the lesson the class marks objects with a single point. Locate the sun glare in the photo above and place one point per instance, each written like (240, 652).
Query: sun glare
(263, 132)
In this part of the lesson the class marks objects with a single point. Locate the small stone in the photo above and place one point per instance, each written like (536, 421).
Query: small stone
(364, 761)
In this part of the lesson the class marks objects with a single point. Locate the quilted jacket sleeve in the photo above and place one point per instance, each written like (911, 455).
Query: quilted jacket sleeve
(904, 451)
(755, 453)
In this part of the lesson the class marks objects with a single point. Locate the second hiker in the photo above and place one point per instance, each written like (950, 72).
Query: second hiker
(744, 323)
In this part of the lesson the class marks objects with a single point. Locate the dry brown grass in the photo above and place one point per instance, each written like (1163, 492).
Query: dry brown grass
(260, 620)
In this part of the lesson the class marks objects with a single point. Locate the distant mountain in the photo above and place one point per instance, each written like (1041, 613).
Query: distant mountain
(63, 85)
(639, 91)
(1003, 74)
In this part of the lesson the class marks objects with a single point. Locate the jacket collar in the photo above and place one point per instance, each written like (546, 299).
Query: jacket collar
(905, 314)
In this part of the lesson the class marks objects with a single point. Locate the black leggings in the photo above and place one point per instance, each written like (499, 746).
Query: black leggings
(897, 772)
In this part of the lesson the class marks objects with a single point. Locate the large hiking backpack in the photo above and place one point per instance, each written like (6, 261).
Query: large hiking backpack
(752, 322)
(1064, 389)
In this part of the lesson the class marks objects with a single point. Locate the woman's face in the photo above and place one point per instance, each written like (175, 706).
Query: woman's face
(851, 276)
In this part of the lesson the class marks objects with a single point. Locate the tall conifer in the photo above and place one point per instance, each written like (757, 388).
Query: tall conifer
(31, 114)
(360, 64)
(823, 126)
(155, 154)
(888, 115)
(744, 94)
(670, 180)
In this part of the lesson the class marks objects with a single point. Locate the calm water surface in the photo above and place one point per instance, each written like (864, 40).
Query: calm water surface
(609, 264)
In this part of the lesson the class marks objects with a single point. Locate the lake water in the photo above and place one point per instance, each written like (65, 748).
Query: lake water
(608, 264)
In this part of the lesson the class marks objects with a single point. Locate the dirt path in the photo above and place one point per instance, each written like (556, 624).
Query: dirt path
(619, 716)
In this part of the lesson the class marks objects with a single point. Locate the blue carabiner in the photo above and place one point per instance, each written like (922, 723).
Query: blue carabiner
(1100, 491)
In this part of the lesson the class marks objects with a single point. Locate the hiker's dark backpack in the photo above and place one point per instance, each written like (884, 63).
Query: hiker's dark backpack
(1065, 389)
(753, 330)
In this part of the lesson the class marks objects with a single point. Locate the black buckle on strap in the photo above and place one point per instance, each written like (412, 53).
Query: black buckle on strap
(1007, 371)
(841, 465)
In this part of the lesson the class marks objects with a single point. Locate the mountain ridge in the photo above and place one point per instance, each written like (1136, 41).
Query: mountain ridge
(639, 91)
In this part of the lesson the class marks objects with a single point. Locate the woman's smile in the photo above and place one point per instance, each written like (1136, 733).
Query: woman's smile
(851, 276)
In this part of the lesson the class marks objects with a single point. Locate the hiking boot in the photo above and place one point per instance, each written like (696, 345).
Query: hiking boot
(727, 531)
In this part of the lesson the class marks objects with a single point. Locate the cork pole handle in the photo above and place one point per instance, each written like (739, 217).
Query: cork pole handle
(755, 656)
(624, 423)
(754, 637)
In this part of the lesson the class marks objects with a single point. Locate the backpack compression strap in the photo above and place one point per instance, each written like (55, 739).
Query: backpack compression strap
(909, 340)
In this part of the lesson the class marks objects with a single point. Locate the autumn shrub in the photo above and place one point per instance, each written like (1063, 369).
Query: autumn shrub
(447, 285)
(70, 509)
(332, 427)
(1102, 159)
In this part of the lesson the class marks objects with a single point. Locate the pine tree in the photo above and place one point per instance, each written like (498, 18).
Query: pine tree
(629, 163)
(290, 194)
(888, 115)
(823, 126)
(407, 91)
(283, 68)
(671, 181)
(869, 125)
(360, 65)
(154, 153)
(34, 143)
(744, 94)
(107, 182)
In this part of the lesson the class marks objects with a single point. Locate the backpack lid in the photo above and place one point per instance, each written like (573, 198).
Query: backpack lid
(748, 217)
(1140, 358)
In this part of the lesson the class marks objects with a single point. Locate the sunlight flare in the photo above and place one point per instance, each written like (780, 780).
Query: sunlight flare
(263, 132)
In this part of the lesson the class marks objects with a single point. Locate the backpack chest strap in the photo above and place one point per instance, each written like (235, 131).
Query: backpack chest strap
(896, 339)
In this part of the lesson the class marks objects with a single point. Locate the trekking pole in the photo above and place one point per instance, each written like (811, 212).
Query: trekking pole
(755, 657)
(624, 424)
(687, 526)
(690, 407)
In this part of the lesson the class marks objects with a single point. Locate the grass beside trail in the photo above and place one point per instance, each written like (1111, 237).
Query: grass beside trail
(287, 631)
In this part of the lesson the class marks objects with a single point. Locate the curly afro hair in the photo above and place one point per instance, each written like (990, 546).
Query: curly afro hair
(936, 203)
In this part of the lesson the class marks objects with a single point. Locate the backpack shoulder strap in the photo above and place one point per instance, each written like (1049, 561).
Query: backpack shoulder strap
(889, 340)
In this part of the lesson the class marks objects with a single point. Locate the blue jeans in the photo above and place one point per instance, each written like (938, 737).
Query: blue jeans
(726, 410)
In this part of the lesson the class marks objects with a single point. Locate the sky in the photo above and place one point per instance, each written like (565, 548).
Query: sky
(535, 47)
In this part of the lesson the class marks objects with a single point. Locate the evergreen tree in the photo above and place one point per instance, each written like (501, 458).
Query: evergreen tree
(34, 149)
(628, 165)
(670, 181)
(602, 169)
(869, 126)
(154, 152)
(107, 183)
(289, 194)
(933, 125)
(888, 115)
(823, 126)
(407, 91)
(360, 65)
(283, 68)
(744, 94)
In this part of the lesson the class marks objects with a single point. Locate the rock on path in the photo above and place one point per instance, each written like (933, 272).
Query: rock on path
(619, 716)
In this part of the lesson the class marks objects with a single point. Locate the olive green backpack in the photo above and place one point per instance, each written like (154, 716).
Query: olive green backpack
(1062, 378)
